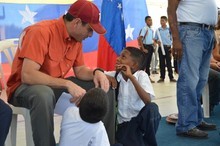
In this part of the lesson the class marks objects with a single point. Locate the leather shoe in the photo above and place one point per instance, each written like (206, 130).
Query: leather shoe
(172, 80)
(160, 80)
(154, 72)
(194, 133)
(206, 126)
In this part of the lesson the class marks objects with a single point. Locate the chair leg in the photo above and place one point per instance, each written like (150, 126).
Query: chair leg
(13, 129)
(28, 130)
(205, 101)
(8, 139)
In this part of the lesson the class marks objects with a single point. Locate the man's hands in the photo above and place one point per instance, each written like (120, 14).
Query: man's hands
(76, 91)
(101, 80)
(177, 50)
(112, 81)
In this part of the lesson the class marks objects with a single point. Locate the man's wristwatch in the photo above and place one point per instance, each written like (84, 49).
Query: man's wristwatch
(97, 69)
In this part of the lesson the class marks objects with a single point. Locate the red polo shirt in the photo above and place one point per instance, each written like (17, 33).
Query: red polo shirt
(48, 44)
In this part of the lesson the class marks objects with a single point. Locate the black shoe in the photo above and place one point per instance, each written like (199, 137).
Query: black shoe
(194, 133)
(160, 80)
(155, 72)
(172, 80)
(206, 126)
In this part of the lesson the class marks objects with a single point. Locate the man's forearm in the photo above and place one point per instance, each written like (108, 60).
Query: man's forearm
(37, 77)
(172, 18)
(83, 73)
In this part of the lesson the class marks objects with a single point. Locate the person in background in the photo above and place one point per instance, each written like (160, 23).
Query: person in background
(192, 25)
(214, 72)
(138, 118)
(146, 43)
(5, 119)
(154, 61)
(165, 54)
(47, 51)
(214, 84)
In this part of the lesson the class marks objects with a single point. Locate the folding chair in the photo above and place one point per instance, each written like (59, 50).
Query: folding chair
(8, 48)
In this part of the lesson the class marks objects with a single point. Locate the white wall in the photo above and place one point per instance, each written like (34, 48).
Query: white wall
(157, 8)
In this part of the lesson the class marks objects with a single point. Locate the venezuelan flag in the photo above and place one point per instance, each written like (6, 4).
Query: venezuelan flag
(15, 15)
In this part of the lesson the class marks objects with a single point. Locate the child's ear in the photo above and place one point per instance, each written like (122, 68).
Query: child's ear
(135, 66)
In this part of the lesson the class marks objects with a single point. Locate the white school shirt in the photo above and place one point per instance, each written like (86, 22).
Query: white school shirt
(149, 36)
(76, 132)
(129, 102)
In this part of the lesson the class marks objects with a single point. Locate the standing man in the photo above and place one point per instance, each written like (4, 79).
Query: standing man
(164, 40)
(46, 52)
(147, 44)
(192, 26)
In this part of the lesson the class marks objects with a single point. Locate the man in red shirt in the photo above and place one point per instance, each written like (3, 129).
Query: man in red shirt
(47, 51)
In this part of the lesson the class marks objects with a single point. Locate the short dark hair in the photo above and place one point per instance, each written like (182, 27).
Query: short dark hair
(93, 105)
(69, 17)
(147, 17)
(163, 17)
(138, 56)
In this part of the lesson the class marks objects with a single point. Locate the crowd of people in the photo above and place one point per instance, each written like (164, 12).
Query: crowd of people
(49, 49)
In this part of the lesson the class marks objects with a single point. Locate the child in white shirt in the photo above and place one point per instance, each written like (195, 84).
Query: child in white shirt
(138, 118)
(82, 126)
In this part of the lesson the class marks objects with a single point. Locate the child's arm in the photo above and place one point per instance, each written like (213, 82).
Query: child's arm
(141, 92)
(111, 78)
(112, 81)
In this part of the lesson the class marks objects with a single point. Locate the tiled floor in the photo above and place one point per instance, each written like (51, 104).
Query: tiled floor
(165, 98)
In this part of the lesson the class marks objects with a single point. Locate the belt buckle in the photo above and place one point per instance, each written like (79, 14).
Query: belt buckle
(209, 26)
(206, 26)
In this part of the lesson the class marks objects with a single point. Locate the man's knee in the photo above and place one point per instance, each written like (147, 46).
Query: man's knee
(42, 94)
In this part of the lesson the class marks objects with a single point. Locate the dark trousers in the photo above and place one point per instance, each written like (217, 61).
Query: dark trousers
(150, 50)
(5, 121)
(214, 87)
(140, 130)
(165, 61)
(175, 65)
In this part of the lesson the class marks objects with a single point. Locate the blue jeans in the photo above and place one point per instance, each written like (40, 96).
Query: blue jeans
(193, 68)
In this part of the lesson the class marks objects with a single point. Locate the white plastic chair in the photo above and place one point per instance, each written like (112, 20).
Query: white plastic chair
(205, 101)
(8, 47)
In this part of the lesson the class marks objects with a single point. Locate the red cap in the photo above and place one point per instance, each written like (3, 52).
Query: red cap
(87, 12)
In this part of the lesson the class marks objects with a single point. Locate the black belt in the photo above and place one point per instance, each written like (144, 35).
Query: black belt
(148, 44)
(198, 25)
(167, 46)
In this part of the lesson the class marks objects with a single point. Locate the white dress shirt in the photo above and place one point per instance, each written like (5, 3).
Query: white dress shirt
(129, 102)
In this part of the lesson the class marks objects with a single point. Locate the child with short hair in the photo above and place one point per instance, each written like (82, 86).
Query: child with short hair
(138, 118)
(82, 126)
